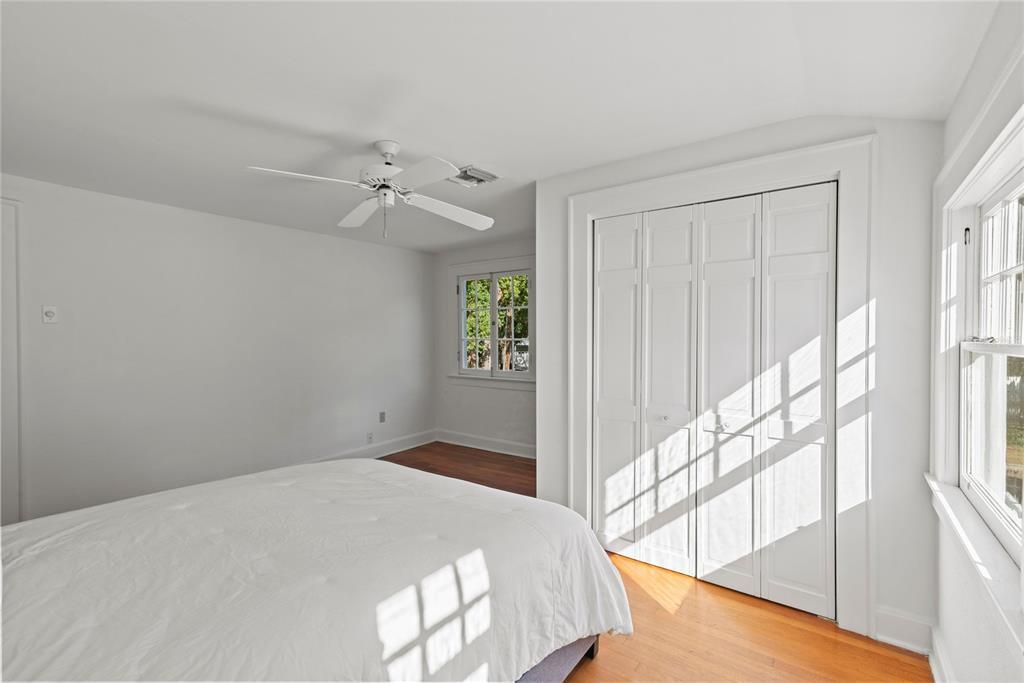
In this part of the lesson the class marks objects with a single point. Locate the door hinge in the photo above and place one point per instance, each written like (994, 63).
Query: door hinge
(967, 235)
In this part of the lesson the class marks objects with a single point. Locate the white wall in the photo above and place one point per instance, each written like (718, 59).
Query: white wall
(972, 640)
(483, 413)
(908, 159)
(193, 347)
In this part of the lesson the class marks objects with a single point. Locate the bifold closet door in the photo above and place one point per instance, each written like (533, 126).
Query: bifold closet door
(665, 478)
(797, 462)
(729, 362)
(616, 377)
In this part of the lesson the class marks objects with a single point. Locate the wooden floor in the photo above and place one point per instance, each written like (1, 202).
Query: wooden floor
(689, 630)
(507, 472)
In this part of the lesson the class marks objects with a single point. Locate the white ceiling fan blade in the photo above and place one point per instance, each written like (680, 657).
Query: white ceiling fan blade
(430, 170)
(468, 218)
(360, 214)
(306, 176)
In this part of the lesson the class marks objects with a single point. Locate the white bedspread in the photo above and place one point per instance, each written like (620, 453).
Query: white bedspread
(351, 569)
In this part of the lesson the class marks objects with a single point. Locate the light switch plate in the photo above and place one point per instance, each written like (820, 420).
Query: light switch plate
(50, 315)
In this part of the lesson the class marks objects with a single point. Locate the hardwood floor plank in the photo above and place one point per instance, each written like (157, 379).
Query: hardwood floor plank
(689, 630)
(506, 472)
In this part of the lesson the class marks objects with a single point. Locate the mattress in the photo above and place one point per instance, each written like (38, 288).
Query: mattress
(343, 570)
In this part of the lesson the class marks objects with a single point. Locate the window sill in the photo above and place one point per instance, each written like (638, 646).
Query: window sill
(509, 383)
(995, 568)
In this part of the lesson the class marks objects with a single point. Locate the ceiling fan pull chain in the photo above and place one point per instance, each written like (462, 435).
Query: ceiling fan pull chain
(385, 223)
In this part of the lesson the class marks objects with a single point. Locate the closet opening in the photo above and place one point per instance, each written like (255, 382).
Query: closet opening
(714, 402)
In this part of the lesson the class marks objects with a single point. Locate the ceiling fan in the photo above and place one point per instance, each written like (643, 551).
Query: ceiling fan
(388, 182)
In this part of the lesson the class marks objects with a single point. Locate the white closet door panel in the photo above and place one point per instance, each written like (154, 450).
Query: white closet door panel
(729, 358)
(727, 552)
(797, 475)
(616, 368)
(796, 351)
(666, 504)
(730, 313)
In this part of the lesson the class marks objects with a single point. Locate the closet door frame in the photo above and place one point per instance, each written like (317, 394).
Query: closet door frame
(851, 162)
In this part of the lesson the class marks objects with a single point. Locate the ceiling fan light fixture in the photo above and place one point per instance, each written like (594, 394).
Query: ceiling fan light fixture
(471, 176)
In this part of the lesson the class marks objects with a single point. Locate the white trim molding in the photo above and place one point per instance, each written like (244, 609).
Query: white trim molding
(404, 443)
(853, 163)
(382, 448)
(487, 443)
(903, 629)
(938, 660)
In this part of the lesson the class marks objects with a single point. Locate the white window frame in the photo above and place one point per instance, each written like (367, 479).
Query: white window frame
(459, 274)
(1003, 525)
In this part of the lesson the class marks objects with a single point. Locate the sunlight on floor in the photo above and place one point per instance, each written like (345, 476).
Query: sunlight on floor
(666, 588)
(689, 630)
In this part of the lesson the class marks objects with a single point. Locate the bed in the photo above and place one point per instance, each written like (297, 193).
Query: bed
(343, 570)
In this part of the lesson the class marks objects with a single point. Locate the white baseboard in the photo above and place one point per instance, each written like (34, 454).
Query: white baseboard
(903, 629)
(523, 450)
(377, 450)
(941, 672)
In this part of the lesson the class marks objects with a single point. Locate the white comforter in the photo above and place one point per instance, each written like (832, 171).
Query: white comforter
(352, 569)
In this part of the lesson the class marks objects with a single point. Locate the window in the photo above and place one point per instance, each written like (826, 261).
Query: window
(495, 324)
(992, 374)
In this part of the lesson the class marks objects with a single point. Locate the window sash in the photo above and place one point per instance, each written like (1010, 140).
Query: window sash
(999, 281)
(495, 338)
(994, 289)
(976, 386)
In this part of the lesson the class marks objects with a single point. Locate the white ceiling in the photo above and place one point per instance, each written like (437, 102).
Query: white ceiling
(168, 102)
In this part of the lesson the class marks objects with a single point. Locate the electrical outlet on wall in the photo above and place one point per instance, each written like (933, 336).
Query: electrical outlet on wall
(369, 437)
(383, 416)
(50, 315)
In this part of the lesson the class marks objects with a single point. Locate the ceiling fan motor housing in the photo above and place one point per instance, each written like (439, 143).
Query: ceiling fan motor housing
(378, 174)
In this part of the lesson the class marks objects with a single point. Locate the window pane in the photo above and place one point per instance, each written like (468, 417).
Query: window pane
(505, 290)
(522, 323)
(522, 290)
(994, 391)
(477, 294)
(988, 310)
(504, 354)
(1020, 230)
(1018, 307)
(1015, 433)
(483, 353)
(505, 322)
(468, 353)
(483, 322)
(1014, 308)
(469, 324)
(521, 356)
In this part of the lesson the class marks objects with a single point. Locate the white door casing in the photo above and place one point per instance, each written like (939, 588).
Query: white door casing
(854, 161)
(10, 458)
